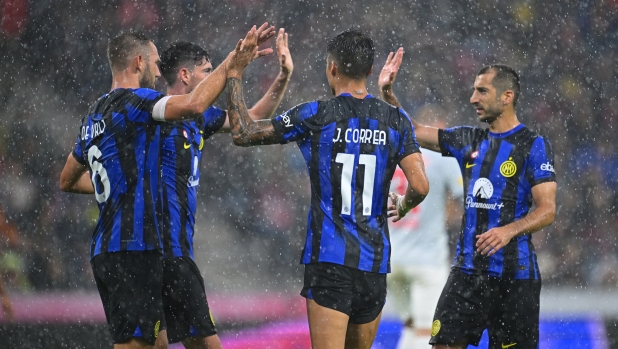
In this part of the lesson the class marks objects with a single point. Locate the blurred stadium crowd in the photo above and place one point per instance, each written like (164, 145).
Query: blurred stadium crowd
(252, 211)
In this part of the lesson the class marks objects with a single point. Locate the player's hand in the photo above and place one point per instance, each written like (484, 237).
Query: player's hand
(247, 50)
(264, 33)
(391, 68)
(285, 58)
(397, 207)
(493, 240)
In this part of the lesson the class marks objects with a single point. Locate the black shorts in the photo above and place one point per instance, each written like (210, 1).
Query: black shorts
(356, 293)
(130, 285)
(184, 300)
(508, 308)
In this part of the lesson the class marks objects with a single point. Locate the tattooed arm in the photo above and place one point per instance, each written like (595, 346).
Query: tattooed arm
(245, 130)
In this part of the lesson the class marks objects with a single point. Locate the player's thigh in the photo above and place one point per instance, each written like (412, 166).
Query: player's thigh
(425, 293)
(327, 327)
(361, 336)
(516, 314)
(131, 283)
(462, 312)
(187, 313)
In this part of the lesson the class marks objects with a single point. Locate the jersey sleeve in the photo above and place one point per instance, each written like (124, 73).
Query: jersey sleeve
(409, 145)
(214, 118)
(292, 125)
(78, 152)
(453, 141)
(541, 162)
(140, 105)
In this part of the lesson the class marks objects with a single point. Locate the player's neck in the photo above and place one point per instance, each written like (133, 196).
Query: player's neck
(177, 89)
(356, 88)
(505, 122)
(125, 79)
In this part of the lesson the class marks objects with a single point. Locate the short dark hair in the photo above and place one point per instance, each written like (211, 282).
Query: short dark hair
(353, 52)
(179, 54)
(124, 46)
(505, 78)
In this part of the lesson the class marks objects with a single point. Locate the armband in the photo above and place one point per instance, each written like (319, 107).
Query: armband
(158, 111)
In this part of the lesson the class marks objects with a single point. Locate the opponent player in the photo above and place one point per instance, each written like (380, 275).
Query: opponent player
(494, 282)
(116, 157)
(351, 144)
(420, 258)
(184, 65)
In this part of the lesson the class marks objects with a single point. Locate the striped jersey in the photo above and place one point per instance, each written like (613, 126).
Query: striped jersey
(119, 143)
(351, 147)
(499, 170)
(181, 154)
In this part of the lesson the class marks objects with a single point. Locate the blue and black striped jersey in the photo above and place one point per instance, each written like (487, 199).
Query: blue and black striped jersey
(499, 171)
(119, 142)
(181, 154)
(351, 147)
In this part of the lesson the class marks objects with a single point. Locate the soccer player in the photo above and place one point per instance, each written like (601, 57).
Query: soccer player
(184, 65)
(116, 157)
(494, 282)
(351, 144)
(420, 254)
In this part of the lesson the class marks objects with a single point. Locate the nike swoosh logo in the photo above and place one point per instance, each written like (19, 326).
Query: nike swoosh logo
(468, 165)
(187, 146)
(504, 346)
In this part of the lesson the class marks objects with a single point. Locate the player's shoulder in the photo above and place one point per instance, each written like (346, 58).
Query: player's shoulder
(530, 136)
(146, 93)
(474, 131)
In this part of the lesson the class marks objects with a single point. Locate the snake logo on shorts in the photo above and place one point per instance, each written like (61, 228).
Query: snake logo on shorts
(435, 328)
(156, 329)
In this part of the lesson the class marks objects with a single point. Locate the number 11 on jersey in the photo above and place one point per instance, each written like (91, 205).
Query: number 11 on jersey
(369, 161)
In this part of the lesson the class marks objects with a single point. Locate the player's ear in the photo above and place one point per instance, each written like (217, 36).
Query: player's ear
(332, 67)
(184, 75)
(370, 71)
(139, 63)
(507, 97)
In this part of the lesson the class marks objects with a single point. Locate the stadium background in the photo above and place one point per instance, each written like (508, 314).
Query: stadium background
(252, 208)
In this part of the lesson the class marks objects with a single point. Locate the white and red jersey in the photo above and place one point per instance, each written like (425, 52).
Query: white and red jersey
(420, 238)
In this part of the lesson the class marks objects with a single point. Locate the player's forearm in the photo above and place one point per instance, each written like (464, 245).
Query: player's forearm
(534, 221)
(245, 131)
(269, 103)
(83, 185)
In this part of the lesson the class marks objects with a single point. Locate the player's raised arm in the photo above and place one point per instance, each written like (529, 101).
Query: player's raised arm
(174, 108)
(245, 131)
(426, 136)
(75, 177)
(418, 187)
(269, 103)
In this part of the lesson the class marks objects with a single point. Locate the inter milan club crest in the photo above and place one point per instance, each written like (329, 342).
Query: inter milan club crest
(508, 168)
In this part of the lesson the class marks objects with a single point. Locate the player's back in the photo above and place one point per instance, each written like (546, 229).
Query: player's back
(351, 147)
(119, 142)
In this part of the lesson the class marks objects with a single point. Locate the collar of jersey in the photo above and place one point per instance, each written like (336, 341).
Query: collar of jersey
(345, 94)
(507, 133)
